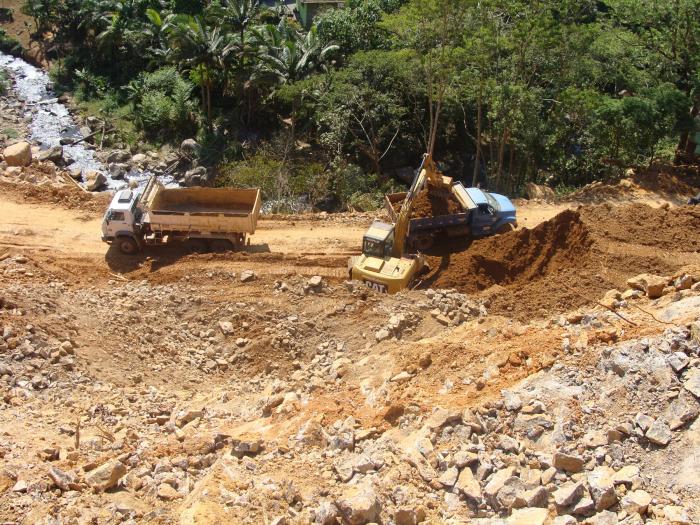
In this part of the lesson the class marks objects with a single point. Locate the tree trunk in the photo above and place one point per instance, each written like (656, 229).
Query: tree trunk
(686, 144)
(501, 151)
(208, 100)
(477, 156)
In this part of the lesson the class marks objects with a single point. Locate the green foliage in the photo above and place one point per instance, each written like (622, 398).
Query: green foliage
(10, 45)
(4, 82)
(162, 104)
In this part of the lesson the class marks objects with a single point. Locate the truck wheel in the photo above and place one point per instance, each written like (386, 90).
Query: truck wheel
(504, 228)
(197, 246)
(127, 245)
(220, 245)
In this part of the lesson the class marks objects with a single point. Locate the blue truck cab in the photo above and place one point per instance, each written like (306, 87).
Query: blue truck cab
(483, 214)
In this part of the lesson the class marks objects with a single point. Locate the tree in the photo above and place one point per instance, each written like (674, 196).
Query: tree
(201, 49)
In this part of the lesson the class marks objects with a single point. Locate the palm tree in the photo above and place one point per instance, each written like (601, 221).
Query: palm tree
(202, 48)
(290, 55)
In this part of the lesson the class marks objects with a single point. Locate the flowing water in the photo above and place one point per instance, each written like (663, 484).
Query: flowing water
(51, 121)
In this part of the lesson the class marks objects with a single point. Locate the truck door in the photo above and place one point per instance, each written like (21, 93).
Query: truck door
(484, 217)
(117, 222)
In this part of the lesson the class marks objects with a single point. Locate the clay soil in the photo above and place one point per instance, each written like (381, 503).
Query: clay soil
(432, 204)
(147, 345)
(570, 259)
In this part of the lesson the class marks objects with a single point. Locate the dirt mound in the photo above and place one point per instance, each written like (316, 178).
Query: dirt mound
(71, 197)
(519, 256)
(571, 259)
(432, 204)
(668, 228)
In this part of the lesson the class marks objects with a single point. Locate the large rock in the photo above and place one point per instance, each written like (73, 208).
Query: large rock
(189, 147)
(652, 285)
(94, 180)
(636, 501)
(196, 177)
(359, 505)
(659, 433)
(106, 475)
(54, 154)
(468, 485)
(409, 516)
(567, 462)
(568, 495)
(19, 154)
(528, 516)
(496, 483)
(118, 156)
(692, 382)
(602, 487)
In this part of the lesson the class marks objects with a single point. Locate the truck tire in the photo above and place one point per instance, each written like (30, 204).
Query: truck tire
(197, 245)
(505, 228)
(127, 245)
(220, 245)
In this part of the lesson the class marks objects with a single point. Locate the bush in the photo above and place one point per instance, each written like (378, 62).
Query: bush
(162, 104)
(4, 82)
(10, 45)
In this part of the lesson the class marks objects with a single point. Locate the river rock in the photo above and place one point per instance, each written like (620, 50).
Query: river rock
(19, 154)
(54, 154)
(118, 156)
(189, 147)
(106, 475)
(94, 180)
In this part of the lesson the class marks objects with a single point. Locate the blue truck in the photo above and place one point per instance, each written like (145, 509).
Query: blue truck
(482, 214)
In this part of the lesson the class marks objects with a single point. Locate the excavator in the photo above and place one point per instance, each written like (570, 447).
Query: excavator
(384, 266)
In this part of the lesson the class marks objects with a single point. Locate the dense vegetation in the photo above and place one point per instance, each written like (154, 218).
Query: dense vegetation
(562, 91)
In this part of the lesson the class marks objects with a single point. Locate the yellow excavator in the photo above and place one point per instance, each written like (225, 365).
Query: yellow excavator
(384, 266)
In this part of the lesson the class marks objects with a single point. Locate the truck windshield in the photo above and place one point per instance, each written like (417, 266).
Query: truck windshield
(492, 201)
(115, 215)
(372, 248)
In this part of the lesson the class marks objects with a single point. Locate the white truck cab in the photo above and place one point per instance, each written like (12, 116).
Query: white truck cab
(120, 221)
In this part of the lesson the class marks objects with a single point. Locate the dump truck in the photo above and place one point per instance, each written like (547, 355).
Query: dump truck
(215, 219)
(389, 264)
(482, 214)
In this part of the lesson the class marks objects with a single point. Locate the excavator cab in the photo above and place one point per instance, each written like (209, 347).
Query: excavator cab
(378, 241)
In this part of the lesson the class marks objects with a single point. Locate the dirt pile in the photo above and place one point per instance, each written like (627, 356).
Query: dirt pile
(517, 257)
(432, 204)
(71, 197)
(571, 259)
(666, 228)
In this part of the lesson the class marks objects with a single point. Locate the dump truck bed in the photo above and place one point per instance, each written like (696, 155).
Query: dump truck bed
(430, 223)
(201, 209)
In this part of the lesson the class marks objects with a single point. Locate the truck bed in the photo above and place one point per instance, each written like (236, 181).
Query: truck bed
(201, 209)
(427, 223)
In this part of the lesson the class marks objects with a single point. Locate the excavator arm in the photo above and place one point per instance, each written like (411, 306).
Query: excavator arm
(427, 173)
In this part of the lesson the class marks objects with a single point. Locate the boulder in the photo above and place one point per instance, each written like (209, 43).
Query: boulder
(19, 154)
(692, 382)
(54, 154)
(189, 147)
(568, 495)
(496, 482)
(468, 485)
(676, 515)
(138, 159)
(409, 516)
(528, 516)
(602, 487)
(326, 514)
(117, 170)
(359, 505)
(106, 475)
(652, 285)
(94, 180)
(636, 501)
(532, 498)
(659, 433)
(167, 492)
(247, 276)
(118, 156)
(567, 462)
(63, 480)
(196, 177)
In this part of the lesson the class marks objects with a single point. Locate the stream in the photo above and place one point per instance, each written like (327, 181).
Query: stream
(50, 121)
